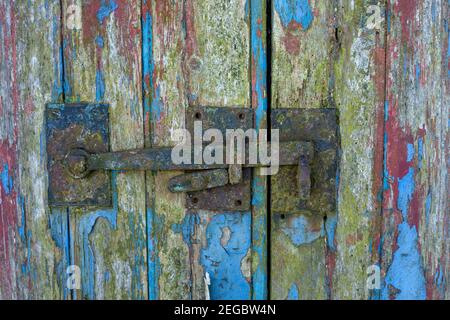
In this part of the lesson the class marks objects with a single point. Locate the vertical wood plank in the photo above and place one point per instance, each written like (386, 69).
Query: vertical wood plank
(259, 101)
(302, 43)
(102, 51)
(33, 241)
(165, 102)
(359, 93)
(217, 72)
(415, 230)
(199, 55)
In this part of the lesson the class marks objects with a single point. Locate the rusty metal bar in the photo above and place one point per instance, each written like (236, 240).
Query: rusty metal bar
(159, 159)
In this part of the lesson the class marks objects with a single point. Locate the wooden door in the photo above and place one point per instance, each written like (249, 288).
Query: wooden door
(383, 65)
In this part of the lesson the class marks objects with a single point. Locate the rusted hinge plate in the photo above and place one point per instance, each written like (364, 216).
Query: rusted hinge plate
(73, 126)
(319, 126)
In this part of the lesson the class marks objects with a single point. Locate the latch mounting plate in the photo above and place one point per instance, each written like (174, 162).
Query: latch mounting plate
(319, 126)
(77, 126)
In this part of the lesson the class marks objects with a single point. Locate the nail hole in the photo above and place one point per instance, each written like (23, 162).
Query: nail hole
(241, 116)
(198, 115)
(283, 216)
(238, 203)
(194, 200)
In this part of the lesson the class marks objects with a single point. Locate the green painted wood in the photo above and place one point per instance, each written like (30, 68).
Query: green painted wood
(165, 102)
(217, 74)
(337, 61)
(359, 84)
(199, 56)
(415, 209)
(103, 63)
(302, 44)
(33, 256)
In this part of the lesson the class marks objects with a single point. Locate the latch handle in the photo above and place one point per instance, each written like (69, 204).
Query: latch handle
(79, 164)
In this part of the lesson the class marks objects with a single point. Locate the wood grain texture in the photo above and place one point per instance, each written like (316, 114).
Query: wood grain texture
(302, 46)
(359, 84)
(415, 210)
(33, 251)
(103, 64)
(199, 55)
(153, 59)
(165, 102)
(259, 100)
(217, 71)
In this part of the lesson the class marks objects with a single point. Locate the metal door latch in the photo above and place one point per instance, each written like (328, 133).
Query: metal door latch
(79, 159)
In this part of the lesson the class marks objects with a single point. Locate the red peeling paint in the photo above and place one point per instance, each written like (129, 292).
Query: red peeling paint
(331, 266)
(291, 43)
(90, 22)
(406, 10)
(8, 158)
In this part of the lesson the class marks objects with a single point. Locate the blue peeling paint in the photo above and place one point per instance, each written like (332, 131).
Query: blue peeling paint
(153, 220)
(428, 202)
(223, 260)
(154, 267)
(293, 292)
(405, 274)
(439, 279)
(405, 277)
(59, 229)
(187, 227)
(99, 41)
(25, 237)
(299, 231)
(410, 152)
(255, 10)
(147, 58)
(6, 179)
(385, 146)
(85, 228)
(66, 82)
(420, 152)
(157, 105)
(154, 105)
(418, 72)
(330, 228)
(259, 55)
(406, 186)
(106, 8)
(58, 68)
(298, 11)
(99, 86)
(433, 10)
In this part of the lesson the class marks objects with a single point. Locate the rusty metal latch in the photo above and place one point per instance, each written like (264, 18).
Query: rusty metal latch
(79, 164)
(79, 160)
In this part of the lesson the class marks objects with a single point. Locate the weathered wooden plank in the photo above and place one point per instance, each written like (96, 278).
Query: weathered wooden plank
(199, 55)
(33, 251)
(259, 101)
(217, 73)
(359, 84)
(165, 102)
(415, 230)
(102, 52)
(302, 43)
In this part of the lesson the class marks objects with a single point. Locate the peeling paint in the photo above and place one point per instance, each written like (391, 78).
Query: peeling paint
(223, 262)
